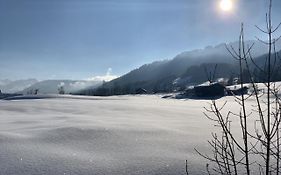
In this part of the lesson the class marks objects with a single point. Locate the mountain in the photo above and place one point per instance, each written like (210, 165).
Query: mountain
(199, 73)
(69, 86)
(160, 76)
(9, 86)
(260, 64)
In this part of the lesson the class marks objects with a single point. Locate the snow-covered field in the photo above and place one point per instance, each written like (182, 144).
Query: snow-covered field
(120, 135)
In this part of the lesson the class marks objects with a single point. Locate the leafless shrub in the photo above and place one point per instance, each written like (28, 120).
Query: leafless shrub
(257, 149)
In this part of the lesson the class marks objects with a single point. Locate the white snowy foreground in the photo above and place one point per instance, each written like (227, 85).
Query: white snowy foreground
(120, 135)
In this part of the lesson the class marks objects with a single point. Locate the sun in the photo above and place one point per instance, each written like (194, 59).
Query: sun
(226, 5)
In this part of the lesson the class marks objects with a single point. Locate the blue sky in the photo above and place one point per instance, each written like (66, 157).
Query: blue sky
(80, 39)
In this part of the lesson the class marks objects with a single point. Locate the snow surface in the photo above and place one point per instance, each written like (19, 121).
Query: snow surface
(119, 135)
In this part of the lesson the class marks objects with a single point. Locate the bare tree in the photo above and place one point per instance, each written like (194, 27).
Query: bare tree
(210, 74)
(256, 149)
(61, 90)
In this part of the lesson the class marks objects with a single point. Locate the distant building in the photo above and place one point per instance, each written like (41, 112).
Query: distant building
(237, 91)
(141, 91)
(209, 90)
(190, 91)
(235, 81)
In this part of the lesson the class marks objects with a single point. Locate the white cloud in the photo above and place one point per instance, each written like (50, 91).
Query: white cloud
(77, 84)
(82, 85)
(107, 77)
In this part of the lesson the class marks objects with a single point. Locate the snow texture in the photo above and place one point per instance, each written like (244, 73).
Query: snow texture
(119, 135)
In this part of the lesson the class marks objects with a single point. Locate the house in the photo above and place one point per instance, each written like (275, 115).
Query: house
(141, 91)
(209, 90)
(237, 91)
(190, 91)
(235, 81)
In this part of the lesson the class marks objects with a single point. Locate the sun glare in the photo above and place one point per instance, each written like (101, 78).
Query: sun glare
(226, 5)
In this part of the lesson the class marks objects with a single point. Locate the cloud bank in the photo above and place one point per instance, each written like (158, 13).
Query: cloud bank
(107, 77)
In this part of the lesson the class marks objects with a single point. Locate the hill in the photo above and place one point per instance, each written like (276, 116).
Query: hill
(9, 86)
(51, 86)
(160, 76)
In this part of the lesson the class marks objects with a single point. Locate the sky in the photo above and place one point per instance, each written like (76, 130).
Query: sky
(88, 39)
